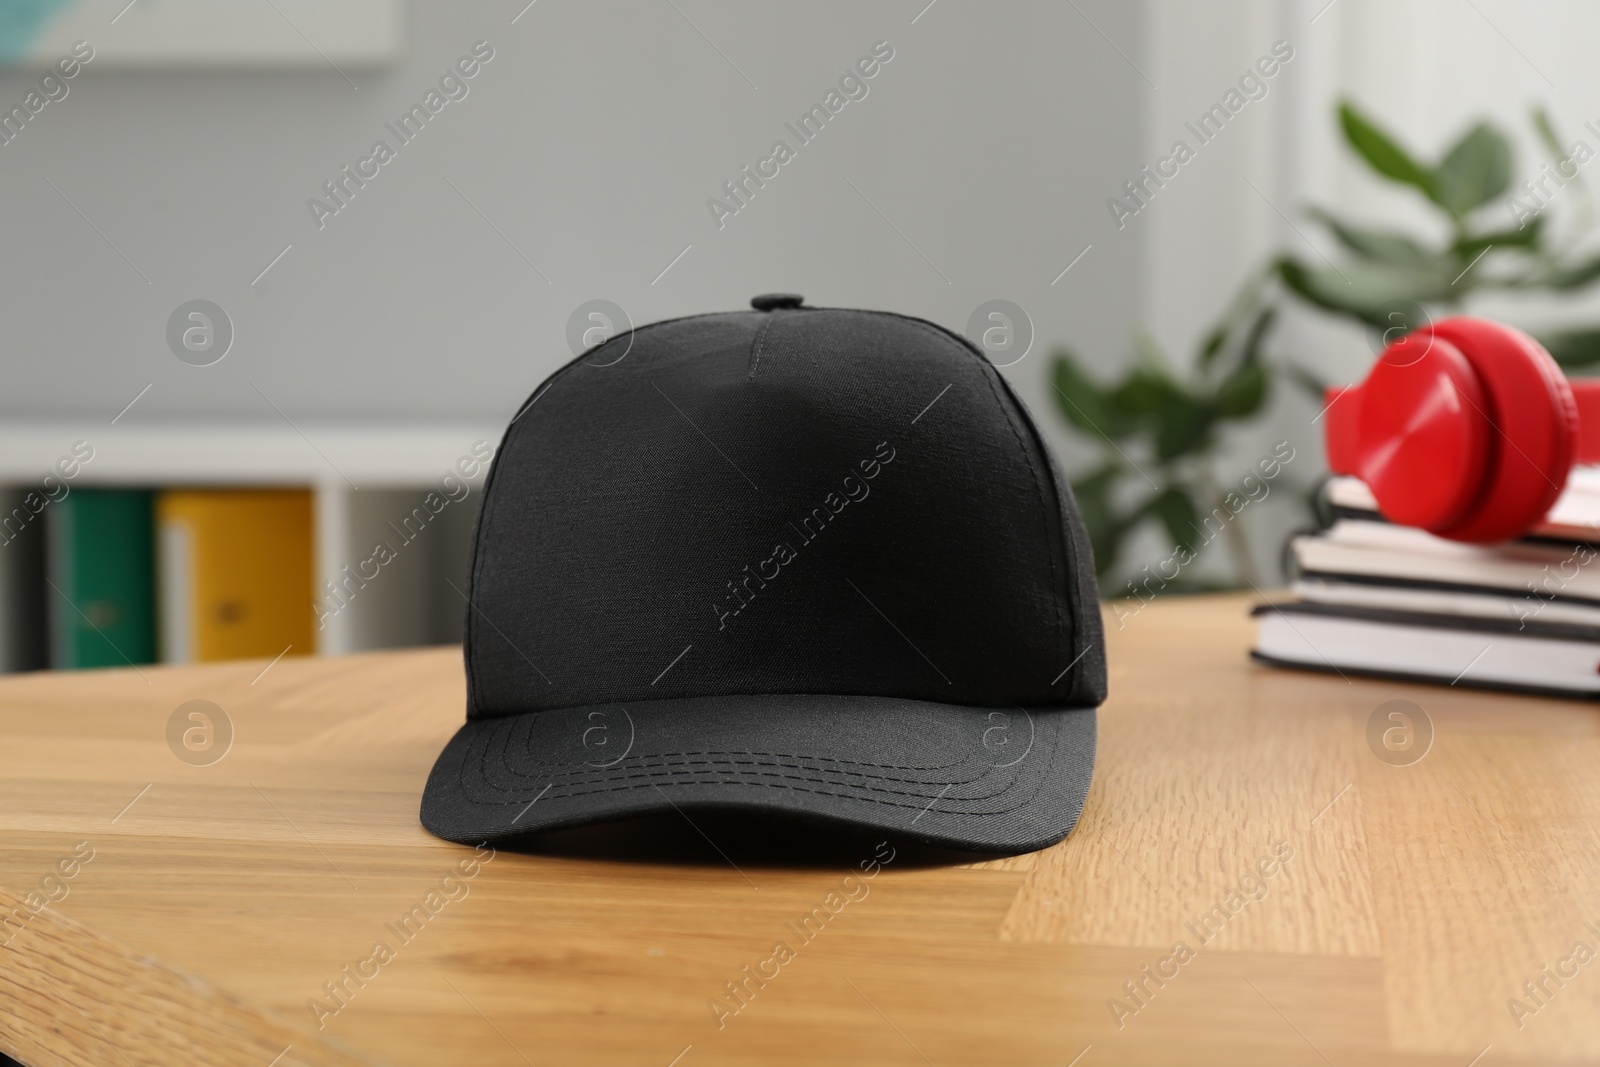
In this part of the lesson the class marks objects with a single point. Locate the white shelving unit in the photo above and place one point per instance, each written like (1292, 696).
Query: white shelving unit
(366, 479)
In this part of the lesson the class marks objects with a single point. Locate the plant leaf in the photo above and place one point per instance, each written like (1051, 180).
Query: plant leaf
(1368, 292)
(1184, 428)
(1147, 390)
(1385, 246)
(1547, 134)
(1242, 392)
(1381, 151)
(1308, 380)
(1258, 334)
(1476, 170)
(1105, 528)
(1212, 345)
(1243, 304)
(1573, 348)
(1178, 514)
(1527, 238)
(1565, 275)
(1083, 403)
(1146, 350)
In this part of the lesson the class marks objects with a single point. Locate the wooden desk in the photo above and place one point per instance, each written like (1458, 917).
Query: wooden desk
(219, 899)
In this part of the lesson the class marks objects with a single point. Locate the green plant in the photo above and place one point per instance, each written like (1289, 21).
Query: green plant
(1394, 281)
(1174, 423)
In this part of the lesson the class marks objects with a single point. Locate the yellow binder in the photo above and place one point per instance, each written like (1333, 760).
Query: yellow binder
(236, 573)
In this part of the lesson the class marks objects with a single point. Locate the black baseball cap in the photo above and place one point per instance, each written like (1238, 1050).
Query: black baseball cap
(794, 561)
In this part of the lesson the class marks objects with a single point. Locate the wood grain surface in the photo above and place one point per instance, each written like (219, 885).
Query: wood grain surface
(1250, 884)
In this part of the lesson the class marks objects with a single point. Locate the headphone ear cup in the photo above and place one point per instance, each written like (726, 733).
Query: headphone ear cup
(1422, 442)
(1533, 420)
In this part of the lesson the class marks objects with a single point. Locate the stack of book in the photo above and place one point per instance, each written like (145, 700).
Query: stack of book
(1380, 599)
(133, 576)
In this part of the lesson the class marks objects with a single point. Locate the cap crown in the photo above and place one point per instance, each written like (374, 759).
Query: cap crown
(794, 501)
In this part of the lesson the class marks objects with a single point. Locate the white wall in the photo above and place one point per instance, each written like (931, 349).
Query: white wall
(590, 142)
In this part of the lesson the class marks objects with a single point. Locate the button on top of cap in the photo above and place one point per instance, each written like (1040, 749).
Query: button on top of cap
(773, 301)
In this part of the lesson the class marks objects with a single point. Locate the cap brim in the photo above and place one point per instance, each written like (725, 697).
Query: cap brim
(981, 779)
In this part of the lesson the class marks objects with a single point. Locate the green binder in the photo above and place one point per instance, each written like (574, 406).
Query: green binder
(100, 562)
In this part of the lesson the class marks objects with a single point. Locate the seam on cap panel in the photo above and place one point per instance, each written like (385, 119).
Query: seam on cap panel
(1040, 780)
(764, 768)
(755, 345)
(773, 763)
(989, 374)
(777, 779)
(1088, 629)
(784, 781)
(487, 509)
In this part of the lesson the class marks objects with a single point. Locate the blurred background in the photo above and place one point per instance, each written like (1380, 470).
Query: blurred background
(228, 321)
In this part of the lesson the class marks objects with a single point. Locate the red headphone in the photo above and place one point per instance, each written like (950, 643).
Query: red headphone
(1466, 428)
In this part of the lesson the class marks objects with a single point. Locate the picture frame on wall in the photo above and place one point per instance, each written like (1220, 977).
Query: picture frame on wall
(168, 34)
